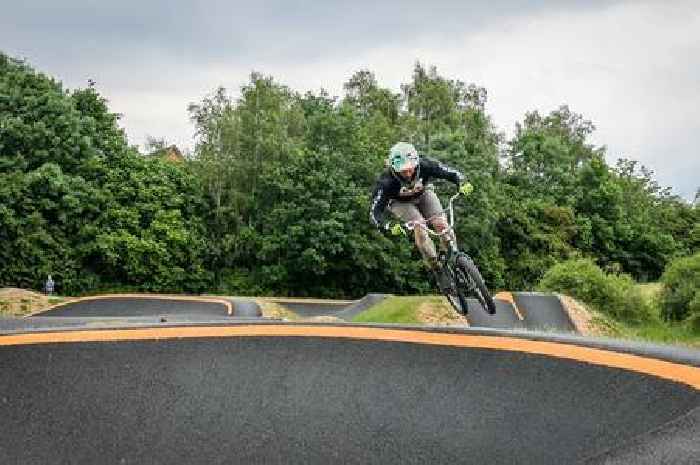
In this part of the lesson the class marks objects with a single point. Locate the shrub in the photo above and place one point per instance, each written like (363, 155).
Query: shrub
(612, 294)
(693, 319)
(680, 297)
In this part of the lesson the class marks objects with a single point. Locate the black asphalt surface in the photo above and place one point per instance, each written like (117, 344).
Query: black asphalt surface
(126, 307)
(543, 312)
(246, 308)
(504, 318)
(134, 306)
(318, 401)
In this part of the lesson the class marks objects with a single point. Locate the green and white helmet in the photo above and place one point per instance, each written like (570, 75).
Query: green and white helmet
(402, 156)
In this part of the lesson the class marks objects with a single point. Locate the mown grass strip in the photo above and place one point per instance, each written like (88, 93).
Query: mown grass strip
(396, 309)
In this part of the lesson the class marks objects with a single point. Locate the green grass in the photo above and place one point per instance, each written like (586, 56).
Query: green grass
(396, 310)
(650, 291)
(657, 330)
(404, 310)
(663, 332)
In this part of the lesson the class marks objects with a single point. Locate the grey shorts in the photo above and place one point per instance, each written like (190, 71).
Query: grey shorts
(423, 207)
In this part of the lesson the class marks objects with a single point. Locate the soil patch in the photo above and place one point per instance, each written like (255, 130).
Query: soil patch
(276, 311)
(18, 302)
(439, 313)
(583, 318)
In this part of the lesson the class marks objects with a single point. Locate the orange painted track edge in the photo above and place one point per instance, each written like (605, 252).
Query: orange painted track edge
(675, 372)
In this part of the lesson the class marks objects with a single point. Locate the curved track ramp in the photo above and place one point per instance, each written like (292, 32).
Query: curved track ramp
(518, 310)
(543, 312)
(318, 394)
(345, 310)
(145, 305)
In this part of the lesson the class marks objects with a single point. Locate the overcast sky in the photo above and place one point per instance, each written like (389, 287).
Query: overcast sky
(633, 68)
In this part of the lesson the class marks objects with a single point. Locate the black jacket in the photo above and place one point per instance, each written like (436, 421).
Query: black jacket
(391, 186)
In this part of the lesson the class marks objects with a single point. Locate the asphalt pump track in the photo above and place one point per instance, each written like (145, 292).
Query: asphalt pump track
(318, 394)
(521, 310)
(518, 310)
(254, 391)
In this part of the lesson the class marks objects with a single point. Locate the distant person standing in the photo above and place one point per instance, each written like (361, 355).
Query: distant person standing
(49, 285)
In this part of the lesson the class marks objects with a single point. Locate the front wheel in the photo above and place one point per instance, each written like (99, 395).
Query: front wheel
(467, 266)
(455, 295)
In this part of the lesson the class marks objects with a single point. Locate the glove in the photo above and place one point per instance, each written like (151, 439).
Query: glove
(397, 230)
(466, 188)
(391, 229)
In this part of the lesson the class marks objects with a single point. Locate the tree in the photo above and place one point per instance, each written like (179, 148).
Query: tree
(546, 153)
(79, 203)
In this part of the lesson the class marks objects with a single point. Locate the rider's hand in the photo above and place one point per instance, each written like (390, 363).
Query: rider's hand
(396, 230)
(466, 188)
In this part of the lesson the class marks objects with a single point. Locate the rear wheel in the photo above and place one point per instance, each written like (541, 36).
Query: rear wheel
(467, 266)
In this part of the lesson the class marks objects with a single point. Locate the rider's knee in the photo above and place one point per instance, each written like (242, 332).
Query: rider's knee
(421, 236)
(440, 224)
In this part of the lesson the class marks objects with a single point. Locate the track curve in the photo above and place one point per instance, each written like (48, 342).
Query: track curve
(150, 305)
(316, 394)
(115, 306)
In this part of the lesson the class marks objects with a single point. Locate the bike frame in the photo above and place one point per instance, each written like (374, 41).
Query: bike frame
(461, 277)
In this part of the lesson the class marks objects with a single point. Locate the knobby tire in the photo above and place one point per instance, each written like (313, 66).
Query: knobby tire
(480, 290)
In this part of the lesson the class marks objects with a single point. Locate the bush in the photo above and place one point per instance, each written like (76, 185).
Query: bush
(680, 297)
(693, 319)
(612, 294)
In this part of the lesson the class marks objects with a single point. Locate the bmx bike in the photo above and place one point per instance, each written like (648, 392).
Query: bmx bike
(464, 276)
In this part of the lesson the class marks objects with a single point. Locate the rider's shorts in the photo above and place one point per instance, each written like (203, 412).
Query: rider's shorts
(420, 208)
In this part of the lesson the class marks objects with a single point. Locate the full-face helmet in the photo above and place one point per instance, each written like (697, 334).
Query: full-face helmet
(402, 156)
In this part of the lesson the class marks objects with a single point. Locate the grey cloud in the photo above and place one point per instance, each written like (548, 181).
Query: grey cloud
(152, 58)
(220, 31)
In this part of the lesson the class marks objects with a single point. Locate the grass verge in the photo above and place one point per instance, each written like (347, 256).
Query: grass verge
(656, 330)
(411, 310)
(662, 332)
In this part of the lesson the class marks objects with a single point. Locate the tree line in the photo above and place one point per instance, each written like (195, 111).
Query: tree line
(274, 198)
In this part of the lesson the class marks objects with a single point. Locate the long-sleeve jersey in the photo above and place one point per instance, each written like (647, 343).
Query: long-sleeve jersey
(391, 186)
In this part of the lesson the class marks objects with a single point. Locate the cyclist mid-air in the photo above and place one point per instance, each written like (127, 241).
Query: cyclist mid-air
(403, 188)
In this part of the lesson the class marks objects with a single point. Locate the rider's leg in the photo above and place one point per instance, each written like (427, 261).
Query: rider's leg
(430, 207)
(408, 211)
(427, 247)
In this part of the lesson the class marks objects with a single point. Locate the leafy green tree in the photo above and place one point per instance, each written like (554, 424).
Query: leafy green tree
(150, 234)
(274, 198)
(78, 203)
(535, 235)
(317, 240)
(363, 92)
(547, 153)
